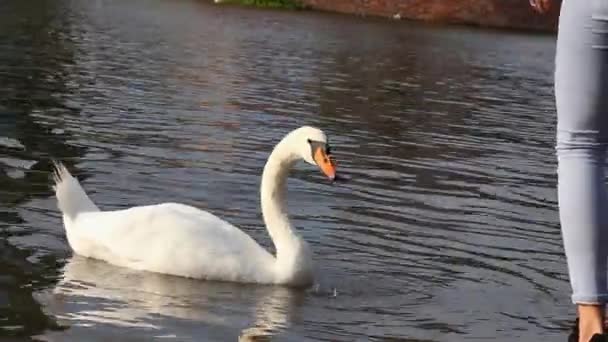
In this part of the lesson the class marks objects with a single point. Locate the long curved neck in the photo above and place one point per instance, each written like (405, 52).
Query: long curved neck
(273, 197)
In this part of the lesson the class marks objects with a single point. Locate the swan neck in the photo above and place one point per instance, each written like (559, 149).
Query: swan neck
(274, 199)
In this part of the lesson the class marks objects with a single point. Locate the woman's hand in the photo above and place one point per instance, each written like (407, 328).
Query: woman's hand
(542, 6)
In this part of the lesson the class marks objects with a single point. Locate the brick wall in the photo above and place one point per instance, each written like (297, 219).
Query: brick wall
(494, 13)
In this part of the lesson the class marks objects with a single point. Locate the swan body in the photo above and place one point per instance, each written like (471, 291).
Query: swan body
(182, 240)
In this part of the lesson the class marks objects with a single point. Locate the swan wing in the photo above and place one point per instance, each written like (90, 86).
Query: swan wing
(174, 239)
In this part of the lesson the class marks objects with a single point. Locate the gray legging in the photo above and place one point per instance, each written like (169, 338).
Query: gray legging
(581, 78)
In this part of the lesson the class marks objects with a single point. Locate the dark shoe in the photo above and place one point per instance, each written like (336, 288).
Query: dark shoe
(599, 338)
(573, 337)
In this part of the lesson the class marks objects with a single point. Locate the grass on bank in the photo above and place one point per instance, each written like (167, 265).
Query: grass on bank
(286, 4)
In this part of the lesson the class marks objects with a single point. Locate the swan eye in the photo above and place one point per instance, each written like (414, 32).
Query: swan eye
(315, 146)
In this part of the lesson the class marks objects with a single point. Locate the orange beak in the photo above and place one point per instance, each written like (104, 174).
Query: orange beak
(326, 164)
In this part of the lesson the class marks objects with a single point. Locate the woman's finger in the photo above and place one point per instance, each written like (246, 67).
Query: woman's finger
(545, 5)
(534, 5)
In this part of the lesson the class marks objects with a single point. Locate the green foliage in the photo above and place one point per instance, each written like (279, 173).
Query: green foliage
(288, 4)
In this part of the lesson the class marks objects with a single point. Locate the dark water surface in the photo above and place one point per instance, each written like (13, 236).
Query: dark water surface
(447, 231)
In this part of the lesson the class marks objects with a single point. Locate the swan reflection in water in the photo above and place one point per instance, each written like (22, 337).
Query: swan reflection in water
(94, 294)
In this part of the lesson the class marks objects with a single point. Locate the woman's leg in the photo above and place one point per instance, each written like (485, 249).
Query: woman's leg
(581, 87)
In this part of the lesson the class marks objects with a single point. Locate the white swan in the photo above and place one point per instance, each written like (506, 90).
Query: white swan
(181, 240)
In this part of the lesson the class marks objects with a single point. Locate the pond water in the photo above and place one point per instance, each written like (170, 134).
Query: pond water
(447, 230)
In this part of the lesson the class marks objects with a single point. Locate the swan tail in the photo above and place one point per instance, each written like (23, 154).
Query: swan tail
(71, 198)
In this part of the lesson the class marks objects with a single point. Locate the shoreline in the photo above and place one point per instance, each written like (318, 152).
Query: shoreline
(515, 15)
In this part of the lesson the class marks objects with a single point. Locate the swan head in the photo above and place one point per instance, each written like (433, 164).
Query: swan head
(312, 146)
